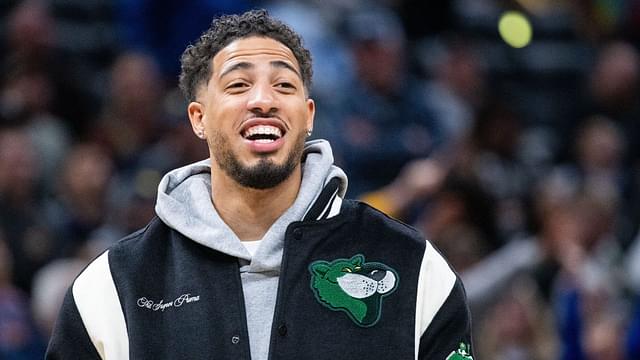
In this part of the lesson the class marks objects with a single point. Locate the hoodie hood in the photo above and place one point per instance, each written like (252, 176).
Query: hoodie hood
(184, 204)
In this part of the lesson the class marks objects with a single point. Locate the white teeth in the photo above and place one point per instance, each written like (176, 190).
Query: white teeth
(263, 130)
(264, 141)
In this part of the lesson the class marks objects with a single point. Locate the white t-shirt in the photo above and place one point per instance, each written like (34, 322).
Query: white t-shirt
(252, 246)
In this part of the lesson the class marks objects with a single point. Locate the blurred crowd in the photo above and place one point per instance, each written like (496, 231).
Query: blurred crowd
(520, 165)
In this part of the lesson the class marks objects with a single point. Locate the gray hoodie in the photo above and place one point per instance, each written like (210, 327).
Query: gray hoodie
(184, 204)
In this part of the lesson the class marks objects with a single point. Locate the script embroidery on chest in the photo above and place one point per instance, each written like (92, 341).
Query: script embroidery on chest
(161, 305)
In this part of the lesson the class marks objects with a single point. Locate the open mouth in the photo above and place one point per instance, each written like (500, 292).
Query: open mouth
(262, 133)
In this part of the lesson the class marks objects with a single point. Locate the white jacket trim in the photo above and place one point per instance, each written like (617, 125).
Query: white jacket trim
(435, 282)
(97, 301)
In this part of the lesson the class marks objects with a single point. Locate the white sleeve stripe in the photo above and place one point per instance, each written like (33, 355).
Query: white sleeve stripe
(435, 282)
(99, 306)
(329, 203)
(335, 207)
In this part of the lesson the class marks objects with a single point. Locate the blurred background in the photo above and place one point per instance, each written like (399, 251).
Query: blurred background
(506, 130)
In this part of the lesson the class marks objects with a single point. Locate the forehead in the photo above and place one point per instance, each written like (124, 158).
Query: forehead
(252, 49)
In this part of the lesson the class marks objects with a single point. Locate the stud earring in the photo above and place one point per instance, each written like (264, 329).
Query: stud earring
(309, 132)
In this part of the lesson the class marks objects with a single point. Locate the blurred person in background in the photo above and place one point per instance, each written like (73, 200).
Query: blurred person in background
(632, 271)
(579, 275)
(30, 241)
(133, 117)
(19, 338)
(598, 166)
(38, 88)
(612, 91)
(461, 220)
(457, 86)
(491, 156)
(80, 204)
(135, 128)
(25, 100)
(519, 326)
(382, 119)
(32, 51)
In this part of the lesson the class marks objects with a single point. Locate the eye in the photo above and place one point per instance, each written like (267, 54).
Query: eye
(286, 86)
(346, 270)
(238, 85)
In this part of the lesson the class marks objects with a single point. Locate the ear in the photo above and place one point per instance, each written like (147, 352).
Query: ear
(311, 113)
(195, 110)
(357, 259)
(320, 268)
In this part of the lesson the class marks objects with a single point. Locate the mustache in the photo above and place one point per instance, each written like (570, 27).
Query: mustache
(256, 113)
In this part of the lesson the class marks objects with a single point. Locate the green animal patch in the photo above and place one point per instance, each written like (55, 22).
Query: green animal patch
(461, 354)
(353, 286)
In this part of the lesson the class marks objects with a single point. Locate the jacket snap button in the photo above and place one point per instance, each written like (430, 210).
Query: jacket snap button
(297, 233)
(282, 330)
(235, 339)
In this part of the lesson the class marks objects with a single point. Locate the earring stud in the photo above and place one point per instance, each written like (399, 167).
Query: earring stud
(309, 132)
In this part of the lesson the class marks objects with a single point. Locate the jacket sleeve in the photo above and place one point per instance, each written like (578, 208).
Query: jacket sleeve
(70, 339)
(449, 332)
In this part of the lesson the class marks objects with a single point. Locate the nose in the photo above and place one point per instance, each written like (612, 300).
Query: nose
(377, 275)
(262, 99)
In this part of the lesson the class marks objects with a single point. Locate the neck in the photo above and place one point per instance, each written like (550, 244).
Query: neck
(251, 212)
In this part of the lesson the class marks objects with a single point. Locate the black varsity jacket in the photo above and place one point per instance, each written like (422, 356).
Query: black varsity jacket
(358, 285)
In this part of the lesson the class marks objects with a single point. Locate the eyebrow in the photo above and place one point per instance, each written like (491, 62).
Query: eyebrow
(243, 65)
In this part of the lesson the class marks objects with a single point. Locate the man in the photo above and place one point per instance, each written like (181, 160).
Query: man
(254, 253)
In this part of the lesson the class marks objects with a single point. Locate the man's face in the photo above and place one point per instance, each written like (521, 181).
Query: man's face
(254, 112)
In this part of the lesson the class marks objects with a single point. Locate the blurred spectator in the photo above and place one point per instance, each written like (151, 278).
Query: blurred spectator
(598, 167)
(29, 239)
(80, 205)
(19, 339)
(604, 338)
(384, 121)
(518, 327)
(579, 274)
(461, 221)
(48, 80)
(492, 156)
(457, 86)
(612, 91)
(133, 117)
(143, 137)
(25, 99)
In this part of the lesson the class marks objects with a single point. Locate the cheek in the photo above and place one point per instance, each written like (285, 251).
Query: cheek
(226, 112)
(303, 116)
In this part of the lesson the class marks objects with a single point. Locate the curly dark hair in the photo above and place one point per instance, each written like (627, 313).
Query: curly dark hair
(196, 59)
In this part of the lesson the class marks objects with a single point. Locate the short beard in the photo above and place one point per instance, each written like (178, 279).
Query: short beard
(265, 174)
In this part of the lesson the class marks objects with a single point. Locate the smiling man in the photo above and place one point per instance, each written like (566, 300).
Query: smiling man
(255, 253)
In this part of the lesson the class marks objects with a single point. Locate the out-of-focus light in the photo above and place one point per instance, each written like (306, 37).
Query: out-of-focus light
(515, 29)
